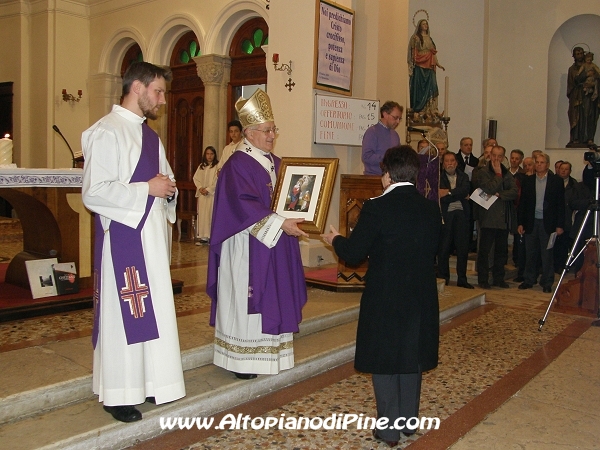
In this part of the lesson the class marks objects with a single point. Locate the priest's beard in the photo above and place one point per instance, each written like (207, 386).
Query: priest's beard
(146, 106)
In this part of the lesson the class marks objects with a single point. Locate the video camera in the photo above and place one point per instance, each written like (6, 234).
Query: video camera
(592, 157)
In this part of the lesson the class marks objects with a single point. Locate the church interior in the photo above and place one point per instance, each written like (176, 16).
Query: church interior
(500, 382)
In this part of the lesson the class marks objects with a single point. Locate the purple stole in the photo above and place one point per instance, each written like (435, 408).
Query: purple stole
(128, 260)
(428, 180)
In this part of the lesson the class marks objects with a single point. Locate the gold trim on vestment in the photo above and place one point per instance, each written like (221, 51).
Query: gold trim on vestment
(258, 349)
(259, 225)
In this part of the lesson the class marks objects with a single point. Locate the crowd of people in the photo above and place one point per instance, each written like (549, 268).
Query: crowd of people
(510, 194)
(518, 195)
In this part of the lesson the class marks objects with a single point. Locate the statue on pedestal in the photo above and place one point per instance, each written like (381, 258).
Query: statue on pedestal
(584, 102)
(422, 65)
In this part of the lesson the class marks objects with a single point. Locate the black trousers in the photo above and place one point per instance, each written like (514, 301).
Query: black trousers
(397, 395)
(535, 244)
(519, 244)
(499, 239)
(454, 231)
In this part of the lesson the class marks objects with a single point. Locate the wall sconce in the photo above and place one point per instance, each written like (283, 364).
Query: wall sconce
(284, 67)
(70, 97)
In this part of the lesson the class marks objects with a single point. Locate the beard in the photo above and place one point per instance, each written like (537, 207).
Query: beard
(147, 109)
(450, 170)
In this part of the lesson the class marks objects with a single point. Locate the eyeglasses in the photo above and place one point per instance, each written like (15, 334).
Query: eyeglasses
(395, 117)
(273, 130)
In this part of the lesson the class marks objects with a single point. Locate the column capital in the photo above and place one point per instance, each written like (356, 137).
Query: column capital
(212, 68)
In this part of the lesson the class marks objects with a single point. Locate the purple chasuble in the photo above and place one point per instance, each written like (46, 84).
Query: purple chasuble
(128, 260)
(428, 180)
(277, 289)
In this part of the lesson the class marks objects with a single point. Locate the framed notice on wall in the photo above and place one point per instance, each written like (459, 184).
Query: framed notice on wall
(334, 47)
(343, 120)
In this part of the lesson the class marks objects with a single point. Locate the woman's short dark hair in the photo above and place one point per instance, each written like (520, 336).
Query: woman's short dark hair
(402, 164)
(144, 72)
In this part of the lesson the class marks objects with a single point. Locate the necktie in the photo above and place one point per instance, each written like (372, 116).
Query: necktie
(467, 160)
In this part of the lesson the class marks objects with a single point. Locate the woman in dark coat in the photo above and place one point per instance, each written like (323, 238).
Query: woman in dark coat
(398, 325)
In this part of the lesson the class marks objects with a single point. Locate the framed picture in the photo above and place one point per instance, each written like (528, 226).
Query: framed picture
(334, 47)
(41, 277)
(303, 190)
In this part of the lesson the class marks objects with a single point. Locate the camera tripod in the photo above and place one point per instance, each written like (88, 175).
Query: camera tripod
(595, 208)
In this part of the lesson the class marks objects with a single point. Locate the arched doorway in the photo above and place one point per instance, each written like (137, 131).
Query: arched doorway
(186, 118)
(133, 54)
(248, 60)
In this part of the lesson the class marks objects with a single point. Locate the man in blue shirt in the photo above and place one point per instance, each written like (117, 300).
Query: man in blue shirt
(380, 137)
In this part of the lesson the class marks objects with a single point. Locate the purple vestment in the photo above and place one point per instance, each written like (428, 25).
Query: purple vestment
(129, 264)
(428, 180)
(277, 288)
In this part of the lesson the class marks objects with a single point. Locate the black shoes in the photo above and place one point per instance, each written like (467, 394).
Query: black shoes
(547, 289)
(464, 284)
(525, 286)
(245, 376)
(485, 285)
(124, 413)
(151, 400)
(502, 284)
(390, 444)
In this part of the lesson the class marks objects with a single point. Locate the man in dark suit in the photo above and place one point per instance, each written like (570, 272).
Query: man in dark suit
(454, 199)
(465, 159)
(564, 242)
(466, 162)
(398, 325)
(541, 213)
(518, 252)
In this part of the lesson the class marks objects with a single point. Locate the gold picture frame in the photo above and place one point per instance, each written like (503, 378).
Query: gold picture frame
(303, 190)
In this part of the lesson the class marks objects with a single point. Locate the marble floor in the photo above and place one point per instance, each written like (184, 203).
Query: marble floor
(500, 382)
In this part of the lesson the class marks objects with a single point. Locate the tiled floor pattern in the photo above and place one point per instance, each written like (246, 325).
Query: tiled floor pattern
(473, 357)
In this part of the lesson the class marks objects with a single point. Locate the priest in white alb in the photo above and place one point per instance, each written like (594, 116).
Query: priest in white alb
(129, 185)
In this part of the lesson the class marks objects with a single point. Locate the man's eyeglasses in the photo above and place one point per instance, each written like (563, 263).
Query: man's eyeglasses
(273, 130)
(395, 117)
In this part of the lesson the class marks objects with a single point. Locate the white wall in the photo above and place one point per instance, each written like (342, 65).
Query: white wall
(519, 80)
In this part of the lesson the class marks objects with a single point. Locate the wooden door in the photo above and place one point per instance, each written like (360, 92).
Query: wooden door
(185, 130)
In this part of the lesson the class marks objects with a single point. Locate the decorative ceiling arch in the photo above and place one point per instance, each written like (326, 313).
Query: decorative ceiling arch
(228, 21)
(168, 33)
(116, 47)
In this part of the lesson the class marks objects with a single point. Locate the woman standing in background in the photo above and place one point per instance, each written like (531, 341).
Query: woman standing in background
(205, 180)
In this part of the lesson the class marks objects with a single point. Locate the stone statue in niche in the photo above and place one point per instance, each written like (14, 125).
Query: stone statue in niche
(583, 81)
(422, 65)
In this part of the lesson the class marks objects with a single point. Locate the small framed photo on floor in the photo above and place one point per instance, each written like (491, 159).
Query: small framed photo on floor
(303, 190)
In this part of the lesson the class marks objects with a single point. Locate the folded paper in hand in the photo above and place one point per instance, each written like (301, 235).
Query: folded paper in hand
(482, 199)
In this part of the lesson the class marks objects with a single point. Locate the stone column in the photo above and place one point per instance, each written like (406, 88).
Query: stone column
(211, 69)
(223, 134)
